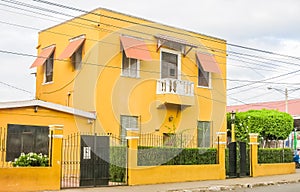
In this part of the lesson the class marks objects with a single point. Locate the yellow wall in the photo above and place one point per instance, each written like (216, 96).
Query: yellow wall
(99, 86)
(35, 178)
(273, 169)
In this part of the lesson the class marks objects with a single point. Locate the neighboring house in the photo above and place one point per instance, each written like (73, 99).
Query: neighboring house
(134, 74)
(291, 106)
(24, 125)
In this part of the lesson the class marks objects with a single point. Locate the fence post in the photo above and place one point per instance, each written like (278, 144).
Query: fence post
(132, 141)
(56, 153)
(221, 153)
(253, 153)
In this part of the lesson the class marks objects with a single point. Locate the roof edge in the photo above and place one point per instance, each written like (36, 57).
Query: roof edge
(48, 105)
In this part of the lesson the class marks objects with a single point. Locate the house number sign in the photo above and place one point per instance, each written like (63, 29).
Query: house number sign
(86, 152)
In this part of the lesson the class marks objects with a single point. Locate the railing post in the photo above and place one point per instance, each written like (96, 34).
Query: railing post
(132, 141)
(221, 153)
(56, 153)
(253, 153)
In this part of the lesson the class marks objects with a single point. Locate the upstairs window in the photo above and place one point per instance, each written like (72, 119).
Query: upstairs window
(77, 58)
(48, 69)
(130, 66)
(170, 62)
(74, 51)
(203, 77)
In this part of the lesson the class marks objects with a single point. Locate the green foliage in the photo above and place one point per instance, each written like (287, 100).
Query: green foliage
(150, 156)
(31, 160)
(275, 155)
(118, 165)
(269, 124)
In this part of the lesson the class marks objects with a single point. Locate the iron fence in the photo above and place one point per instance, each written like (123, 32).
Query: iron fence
(77, 172)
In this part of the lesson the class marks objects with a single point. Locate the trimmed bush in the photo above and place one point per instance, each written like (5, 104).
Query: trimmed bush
(117, 169)
(277, 155)
(151, 156)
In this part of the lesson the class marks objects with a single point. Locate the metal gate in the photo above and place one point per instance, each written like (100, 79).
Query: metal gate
(93, 160)
(239, 161)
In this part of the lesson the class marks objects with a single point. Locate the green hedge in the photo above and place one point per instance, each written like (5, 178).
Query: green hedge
(275, 155)
(150, 156)
(118, 164)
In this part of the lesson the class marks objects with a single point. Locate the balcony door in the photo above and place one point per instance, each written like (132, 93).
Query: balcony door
(169, 65)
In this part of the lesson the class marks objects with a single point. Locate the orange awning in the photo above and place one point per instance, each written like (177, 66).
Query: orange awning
(135, 48)
(71, 48)
(208, 62)
(43, 56)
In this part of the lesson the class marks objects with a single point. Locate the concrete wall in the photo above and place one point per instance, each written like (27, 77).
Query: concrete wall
(266, 169)
(35, 178)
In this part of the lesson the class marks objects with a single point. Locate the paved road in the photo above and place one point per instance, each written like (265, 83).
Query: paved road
(292, 187)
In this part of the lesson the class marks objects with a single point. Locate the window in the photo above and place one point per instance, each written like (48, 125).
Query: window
(203, 133)
(130, 66)
(49, 69)
(24, 138)
(127, 123)
(203, 77)
(77, 58)
(169, 65)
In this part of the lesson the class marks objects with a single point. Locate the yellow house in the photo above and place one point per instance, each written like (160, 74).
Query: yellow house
(135, 74)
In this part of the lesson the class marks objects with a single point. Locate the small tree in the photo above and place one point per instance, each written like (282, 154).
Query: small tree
(269, 124)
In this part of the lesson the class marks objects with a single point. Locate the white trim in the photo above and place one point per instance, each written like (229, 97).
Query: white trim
(221, 133)
(132, 129)
(253, 134)
(57, 136)
(178, 53)
(49, 105)
(252, 143)
(221, 143)
(132, 137)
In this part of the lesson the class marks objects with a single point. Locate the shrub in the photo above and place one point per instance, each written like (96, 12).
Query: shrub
(150, 156)
(275, 155)
(31, 160)
(118, 164)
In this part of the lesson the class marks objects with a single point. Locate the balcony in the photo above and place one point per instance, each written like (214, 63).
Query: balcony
(175, 86)
(174, 91)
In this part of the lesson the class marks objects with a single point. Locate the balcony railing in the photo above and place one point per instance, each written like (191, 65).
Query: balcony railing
(175, 86)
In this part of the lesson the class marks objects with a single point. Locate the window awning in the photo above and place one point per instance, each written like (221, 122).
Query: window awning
(71, 48)
(135, 48)
(208, 62)
(173, 42)
(43, 56)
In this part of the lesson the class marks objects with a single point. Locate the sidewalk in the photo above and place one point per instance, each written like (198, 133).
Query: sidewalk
(198, 186)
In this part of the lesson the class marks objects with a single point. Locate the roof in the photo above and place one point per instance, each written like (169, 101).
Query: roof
(48, 105)
(104, 9)
(293, 106)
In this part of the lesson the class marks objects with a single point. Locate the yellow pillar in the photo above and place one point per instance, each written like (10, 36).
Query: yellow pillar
(221, 143)
(56, 133)
(253, 153)
(132, 140)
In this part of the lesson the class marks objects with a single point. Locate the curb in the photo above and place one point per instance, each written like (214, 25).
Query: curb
(234, 186)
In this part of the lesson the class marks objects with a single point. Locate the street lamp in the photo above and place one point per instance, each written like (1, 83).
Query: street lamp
(232, 117)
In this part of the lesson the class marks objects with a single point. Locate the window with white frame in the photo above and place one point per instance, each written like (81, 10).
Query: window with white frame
(130, 67)
(48, 69)
(203, 77)
(77, 58)
(127, 123)
(170, 63)
(203, 131)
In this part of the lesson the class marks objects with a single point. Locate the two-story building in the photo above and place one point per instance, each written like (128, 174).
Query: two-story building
(114, 72)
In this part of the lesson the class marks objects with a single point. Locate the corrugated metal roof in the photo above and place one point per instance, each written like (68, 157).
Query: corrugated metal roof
(48, 105)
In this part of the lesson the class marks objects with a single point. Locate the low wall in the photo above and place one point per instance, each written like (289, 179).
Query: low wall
(29, 179)
(175, 173)
(273, 169)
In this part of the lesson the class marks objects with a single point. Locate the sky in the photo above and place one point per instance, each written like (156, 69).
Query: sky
(270, 28)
